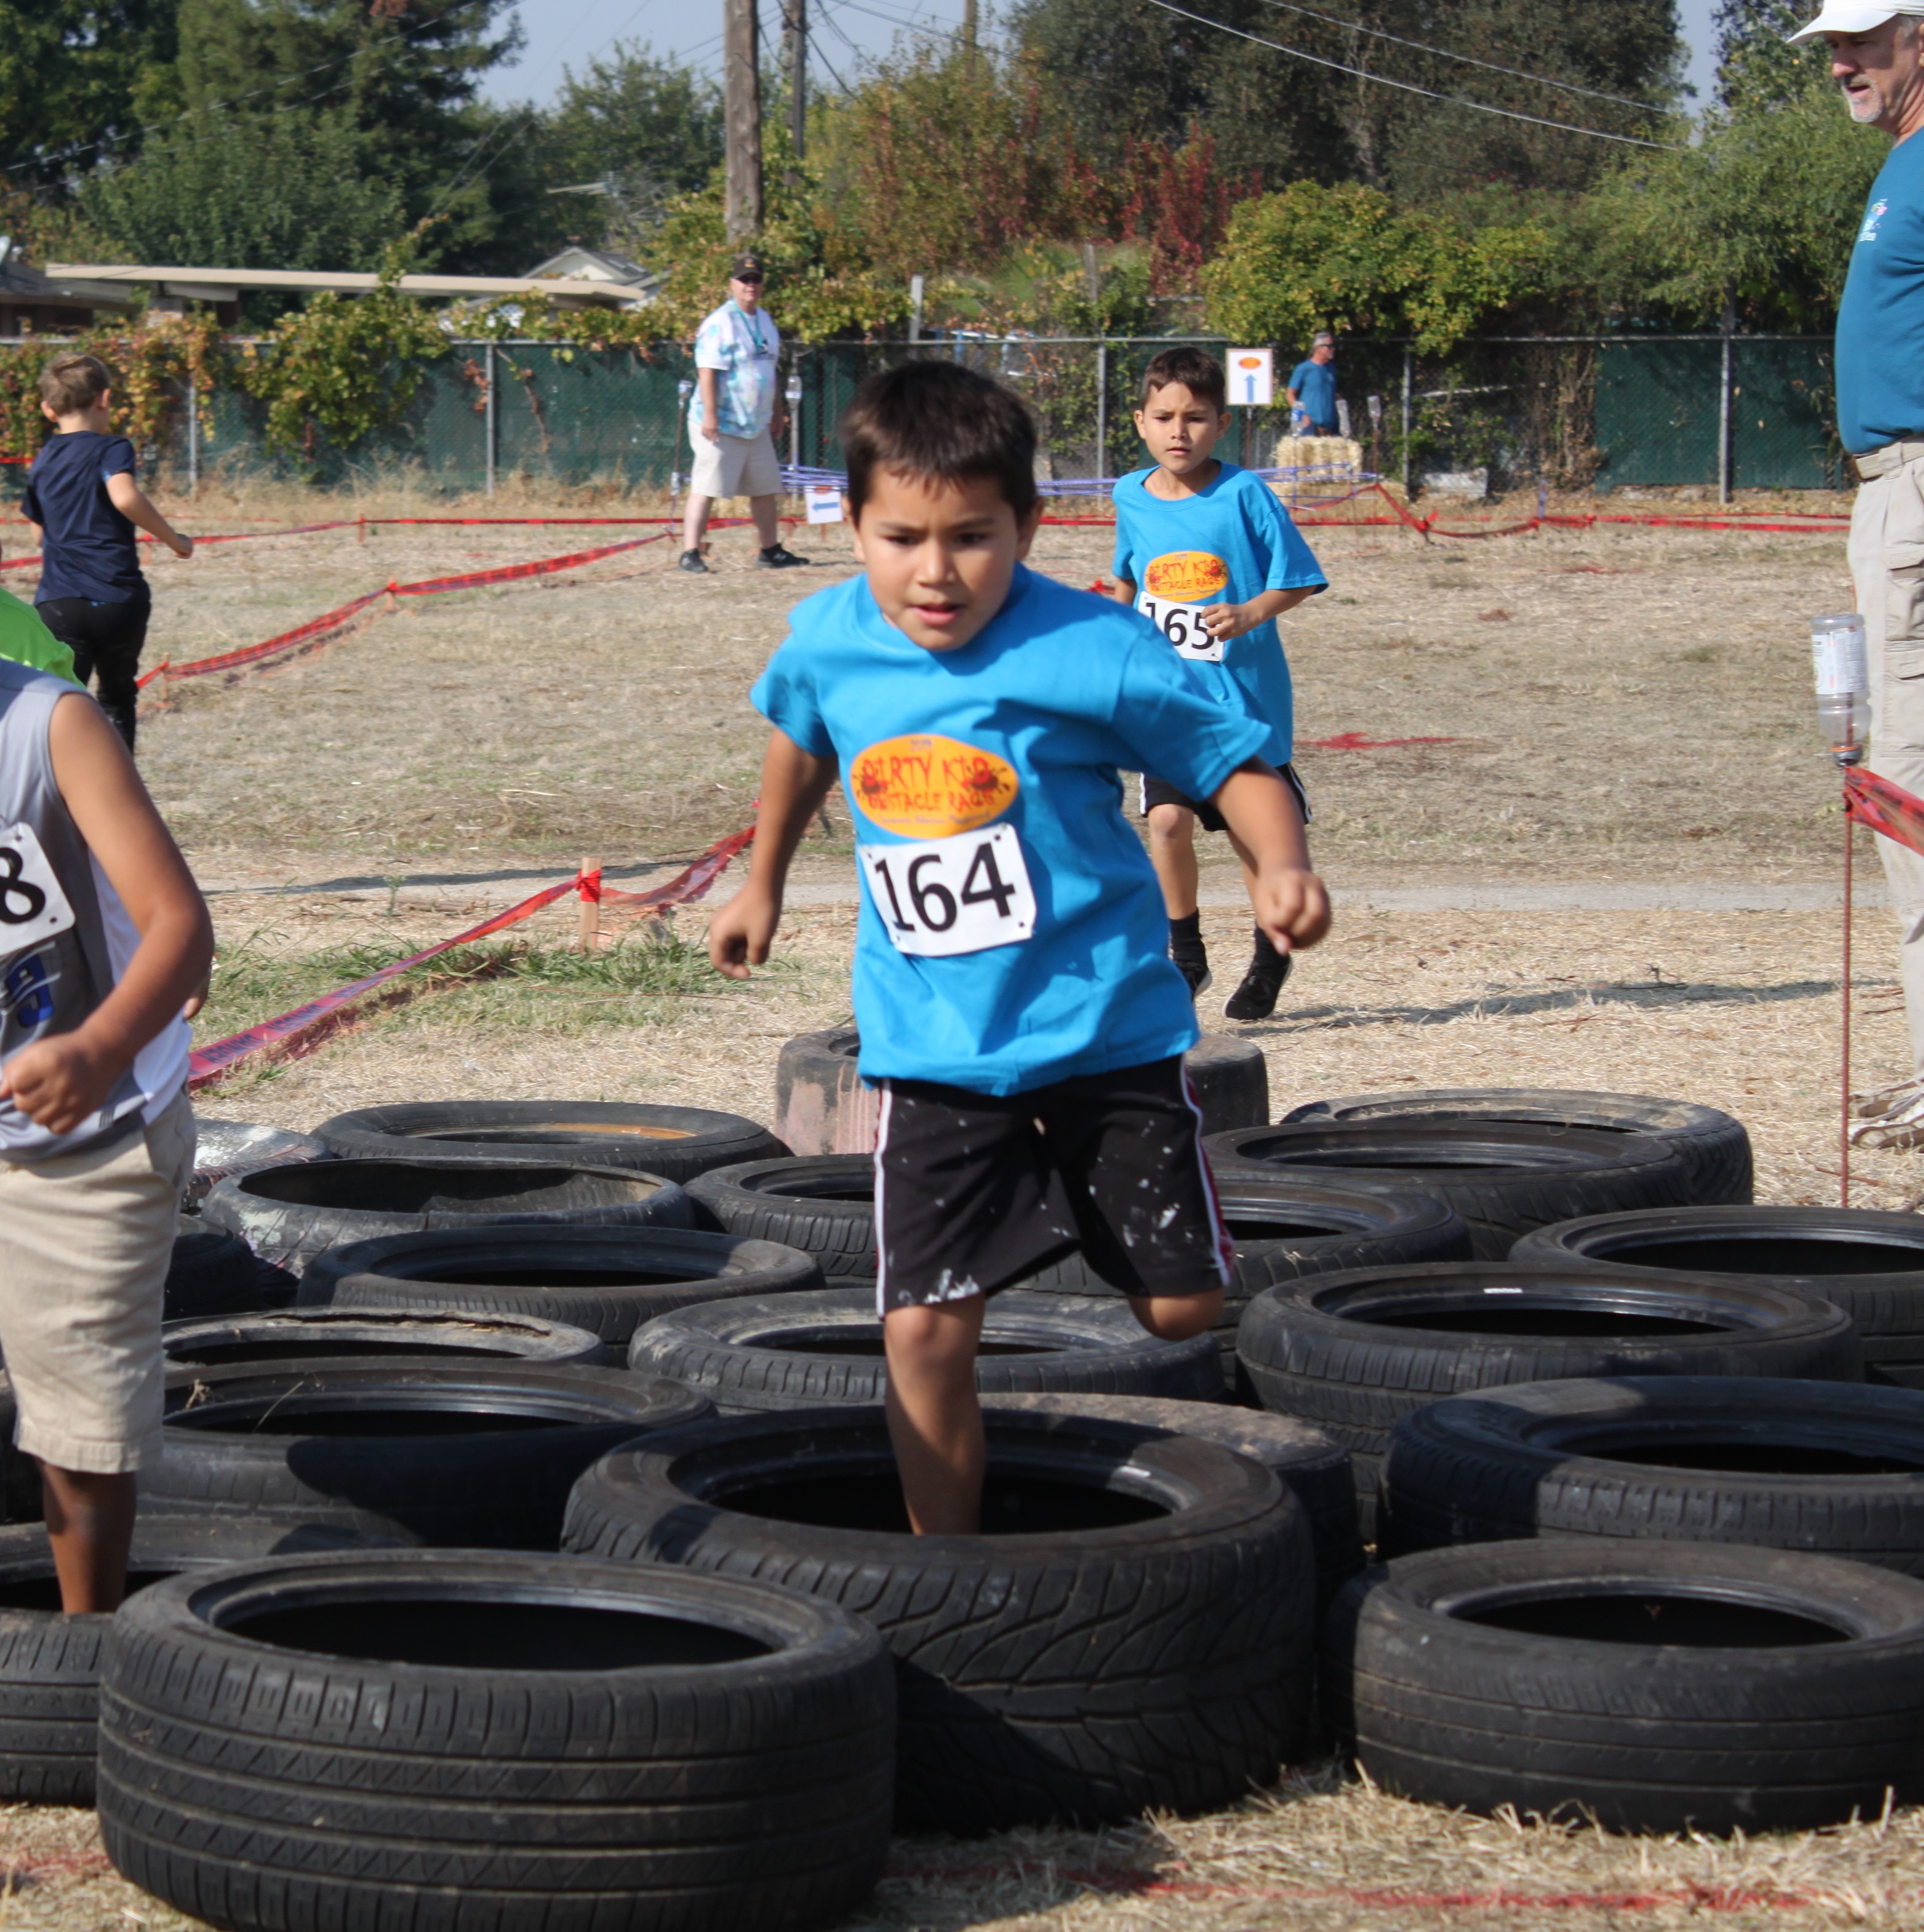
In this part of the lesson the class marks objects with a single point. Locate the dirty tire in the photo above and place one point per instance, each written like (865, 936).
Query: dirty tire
(1063, 1674)
(224, 1148)
(289, 1215)
(307, 1335)
(1503, 1179)
(809, 1350)
(213, 1271)
(1833, 1467)
(823, 1203)
(729, 1766)
(1714, 1147)
(677, 1143)
(1735, 1720)
(447, 1454)
(609, 1280)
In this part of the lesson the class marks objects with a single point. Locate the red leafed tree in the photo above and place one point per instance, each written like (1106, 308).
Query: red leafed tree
(1177, 201)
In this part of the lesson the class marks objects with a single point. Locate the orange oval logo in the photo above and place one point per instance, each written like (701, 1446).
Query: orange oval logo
(1249, 362)
(1185, 573)
(930, 788)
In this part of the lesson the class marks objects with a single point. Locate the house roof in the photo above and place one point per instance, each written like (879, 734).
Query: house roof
(598, 264)
(206, 284)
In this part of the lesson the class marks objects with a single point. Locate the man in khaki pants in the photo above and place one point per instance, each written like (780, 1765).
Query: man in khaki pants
(1877, 57)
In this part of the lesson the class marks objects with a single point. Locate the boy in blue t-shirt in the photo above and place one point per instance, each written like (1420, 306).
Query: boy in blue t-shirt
(1208, 555)
(1016, 1002)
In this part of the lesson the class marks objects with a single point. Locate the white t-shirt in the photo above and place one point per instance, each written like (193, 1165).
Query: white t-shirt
(744, 349)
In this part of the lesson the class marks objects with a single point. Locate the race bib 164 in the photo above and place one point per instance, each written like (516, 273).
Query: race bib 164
(940, 897)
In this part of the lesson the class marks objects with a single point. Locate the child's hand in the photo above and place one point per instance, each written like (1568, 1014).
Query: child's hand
(57, 1083)
(180, 546)
(1292, 906)
(1225, 621)
(740, 934)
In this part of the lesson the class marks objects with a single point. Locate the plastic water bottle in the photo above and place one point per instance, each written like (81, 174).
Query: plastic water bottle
(1838, 657)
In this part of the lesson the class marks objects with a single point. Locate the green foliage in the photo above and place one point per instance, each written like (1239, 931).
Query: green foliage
(1755, 66)
(1349, 258)
(70, 71)
(150, 366)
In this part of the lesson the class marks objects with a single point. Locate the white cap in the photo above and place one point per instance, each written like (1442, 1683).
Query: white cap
(1855, 16)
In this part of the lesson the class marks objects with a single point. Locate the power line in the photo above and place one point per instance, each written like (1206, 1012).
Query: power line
(1410, 87)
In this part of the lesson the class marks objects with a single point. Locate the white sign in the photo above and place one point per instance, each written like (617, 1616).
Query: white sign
(32, 906)
(1182, 624)
(825, 503)
(1252, 378)
(939, 897)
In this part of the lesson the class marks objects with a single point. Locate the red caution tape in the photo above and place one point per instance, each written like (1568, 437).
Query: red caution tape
(209, 1064)
(1355, 741)
(1885, 808)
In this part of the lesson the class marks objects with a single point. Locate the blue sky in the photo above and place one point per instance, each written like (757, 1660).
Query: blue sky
(565, 33)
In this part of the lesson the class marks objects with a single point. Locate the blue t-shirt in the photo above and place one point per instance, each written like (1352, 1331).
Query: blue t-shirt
(1019, 735)
(1315, 385)
(1881, 322)
(1229, 542)
(88, 549)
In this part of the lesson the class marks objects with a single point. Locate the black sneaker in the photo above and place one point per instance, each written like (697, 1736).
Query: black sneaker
(779, 559)
(1255, 998)
(691, 562)
(1194, 968)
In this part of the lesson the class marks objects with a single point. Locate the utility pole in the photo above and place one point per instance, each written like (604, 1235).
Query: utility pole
(795, 50)
(741, 99)
(971, 22)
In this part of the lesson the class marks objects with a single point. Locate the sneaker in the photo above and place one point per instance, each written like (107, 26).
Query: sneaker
(692, 562)
(1893, 1117)
(779, 559)
(1255, 998)
(1194, 968)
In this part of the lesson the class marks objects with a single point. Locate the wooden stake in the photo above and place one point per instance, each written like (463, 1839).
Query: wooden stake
(362, 535)
(589, 936)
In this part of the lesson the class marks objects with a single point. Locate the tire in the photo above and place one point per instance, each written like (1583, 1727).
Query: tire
(1356, 1353)
(223, 1148)
(452, 1455)
(1869, 1262)
(49, 1662)
(1061, 1673)
(677, 1143)
(806, 1351)
(608, 1280)
(1830, 1467)
(486, 1743)
(822, 1107)
(310, 1335)
(213, 1272)
(1312, 1467)
(1503, 1180)
(824, 1204)
(288, 1215)
(1714, 1147)
(1472, 1678)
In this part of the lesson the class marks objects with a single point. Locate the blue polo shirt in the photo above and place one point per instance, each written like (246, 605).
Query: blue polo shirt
(1881, 322)
(1315, 385)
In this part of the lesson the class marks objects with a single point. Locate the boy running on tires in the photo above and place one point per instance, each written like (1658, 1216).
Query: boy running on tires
(1207, 553)
(1017, 1005)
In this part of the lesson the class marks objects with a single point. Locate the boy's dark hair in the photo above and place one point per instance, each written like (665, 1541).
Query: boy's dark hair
(937, 421)
(1196, 369)
(71, 383)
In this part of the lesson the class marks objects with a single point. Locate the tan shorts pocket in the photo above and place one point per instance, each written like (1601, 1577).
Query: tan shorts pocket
(1903, 609)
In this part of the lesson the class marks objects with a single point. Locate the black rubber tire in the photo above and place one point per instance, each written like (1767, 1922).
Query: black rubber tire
(1832, 1467)
(1312, 1466)
(1061, 1673)
(677, 1143)
(1504, 1179)
(807, 1351)
(49, 1662)
(1351, 1352)
(249, 1441)
(1669, 1733)
(214, 1272)
(223, 1148)
(1713, 1146)
(823, 1203)
(822, 1107)
(741, 1780)
(308, 1335)
(288, 1215)
(609, 1280)
(1871, 1263)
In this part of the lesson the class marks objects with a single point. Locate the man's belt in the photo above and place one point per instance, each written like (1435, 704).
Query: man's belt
(1882, 462)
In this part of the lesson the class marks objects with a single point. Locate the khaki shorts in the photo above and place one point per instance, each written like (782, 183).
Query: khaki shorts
(84, 1243)
(736, 466)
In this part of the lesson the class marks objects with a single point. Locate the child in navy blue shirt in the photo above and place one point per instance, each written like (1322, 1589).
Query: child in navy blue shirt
(84, 502)
(1016, 1002)
(1207, 553)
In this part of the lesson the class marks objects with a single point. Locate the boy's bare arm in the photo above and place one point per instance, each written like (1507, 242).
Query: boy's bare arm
(59, 1081)
(131, 500)
(794, 784)
(1291, 904)
(1225, 621)
(1124, 592)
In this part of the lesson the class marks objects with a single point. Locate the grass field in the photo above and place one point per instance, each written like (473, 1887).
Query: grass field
(1625, 713)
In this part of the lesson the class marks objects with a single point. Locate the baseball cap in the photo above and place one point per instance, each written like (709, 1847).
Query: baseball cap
(748, 269)
(1855, 16)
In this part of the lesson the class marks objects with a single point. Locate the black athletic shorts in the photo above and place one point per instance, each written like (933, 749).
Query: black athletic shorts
(1158, 791)
(974, 1191)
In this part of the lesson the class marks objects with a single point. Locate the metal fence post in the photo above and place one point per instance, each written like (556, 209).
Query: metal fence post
(1102, 408)
(488, 427)
(1408, 396)
(193, 436)
(1723, 410)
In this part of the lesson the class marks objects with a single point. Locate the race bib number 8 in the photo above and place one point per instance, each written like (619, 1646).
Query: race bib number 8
(32, 906)
(1182, 624)
(939, 897)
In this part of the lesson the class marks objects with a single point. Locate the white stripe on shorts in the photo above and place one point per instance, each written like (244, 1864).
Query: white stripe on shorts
(881, 1246)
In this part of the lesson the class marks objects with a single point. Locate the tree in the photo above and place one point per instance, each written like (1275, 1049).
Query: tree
(1755, 64)
(70, 71)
